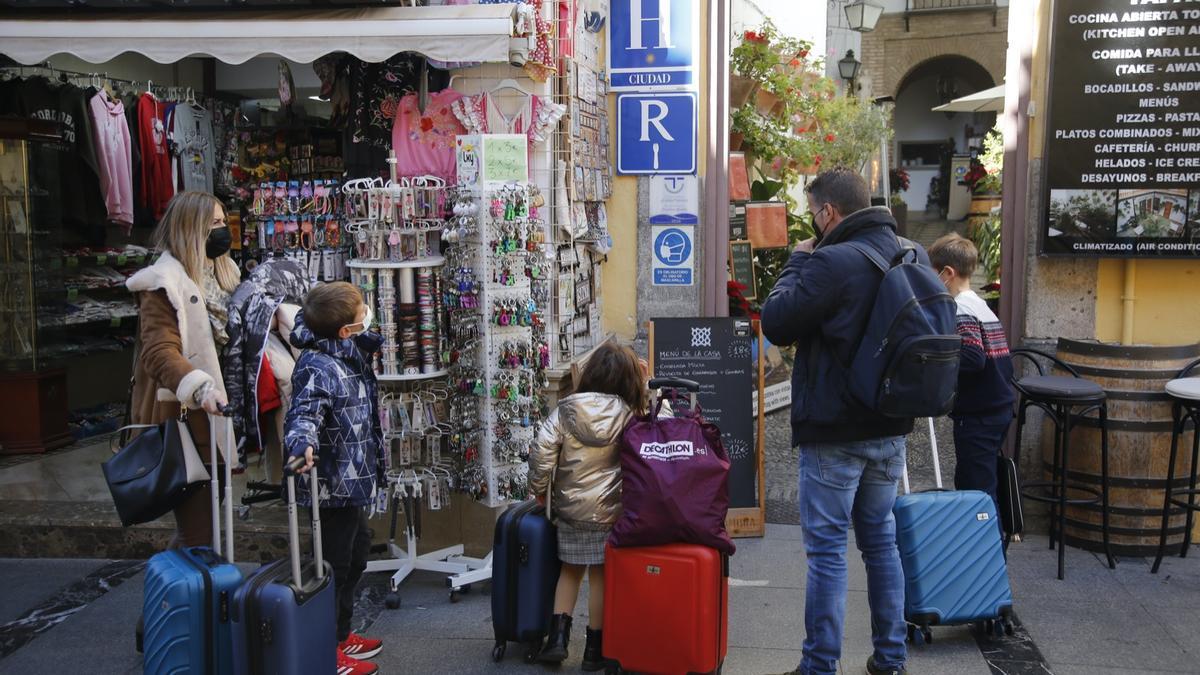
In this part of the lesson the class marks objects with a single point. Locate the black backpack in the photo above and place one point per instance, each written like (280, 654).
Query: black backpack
(907, 362)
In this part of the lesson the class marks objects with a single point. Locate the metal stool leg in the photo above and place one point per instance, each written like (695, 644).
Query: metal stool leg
(1191, 510)
(1055, 525)
(1062, 496)
(1176, 429)
(1112, 562)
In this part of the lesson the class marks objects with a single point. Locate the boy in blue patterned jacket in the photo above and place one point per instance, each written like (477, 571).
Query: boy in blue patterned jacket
(984, 406)
(333, 420)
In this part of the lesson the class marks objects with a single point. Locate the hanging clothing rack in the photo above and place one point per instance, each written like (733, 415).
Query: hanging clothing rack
(172, 92)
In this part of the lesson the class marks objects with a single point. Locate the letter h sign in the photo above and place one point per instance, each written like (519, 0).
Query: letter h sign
(652, 44)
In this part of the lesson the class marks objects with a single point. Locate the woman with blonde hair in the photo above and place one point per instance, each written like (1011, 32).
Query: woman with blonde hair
(182, 306)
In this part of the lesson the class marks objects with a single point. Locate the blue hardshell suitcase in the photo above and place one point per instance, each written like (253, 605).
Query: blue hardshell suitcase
(187, 595)
(283, 625)
(186, 602)
(525, 570)
(954, 567)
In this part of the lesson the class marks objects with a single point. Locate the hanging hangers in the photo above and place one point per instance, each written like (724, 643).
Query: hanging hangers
(509, 84)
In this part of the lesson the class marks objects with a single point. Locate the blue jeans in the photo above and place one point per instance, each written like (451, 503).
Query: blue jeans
(840, 482)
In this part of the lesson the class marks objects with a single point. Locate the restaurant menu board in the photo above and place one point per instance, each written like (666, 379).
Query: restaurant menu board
(1123, 136)
(717, 354)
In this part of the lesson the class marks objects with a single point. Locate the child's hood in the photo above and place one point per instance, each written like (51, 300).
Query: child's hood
(302, 337)
(595, 419)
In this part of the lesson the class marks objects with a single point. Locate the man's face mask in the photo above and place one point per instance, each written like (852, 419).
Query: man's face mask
(359, 327)
(818, 231)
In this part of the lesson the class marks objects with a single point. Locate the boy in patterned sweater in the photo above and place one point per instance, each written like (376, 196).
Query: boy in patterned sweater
(984, 407)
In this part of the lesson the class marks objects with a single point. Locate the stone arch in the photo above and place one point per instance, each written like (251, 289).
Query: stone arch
(894, 48)
(967, 66)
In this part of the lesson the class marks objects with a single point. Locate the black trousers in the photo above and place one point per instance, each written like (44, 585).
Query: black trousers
(976, 448)
(347, 542)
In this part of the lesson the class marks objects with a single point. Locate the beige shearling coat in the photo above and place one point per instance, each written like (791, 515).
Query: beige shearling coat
(177, 354)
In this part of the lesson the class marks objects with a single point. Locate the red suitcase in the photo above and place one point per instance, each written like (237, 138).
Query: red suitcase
(666, 608)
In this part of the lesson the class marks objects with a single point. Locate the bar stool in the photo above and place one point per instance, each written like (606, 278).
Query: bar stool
(1185, 395)
(1063, 399)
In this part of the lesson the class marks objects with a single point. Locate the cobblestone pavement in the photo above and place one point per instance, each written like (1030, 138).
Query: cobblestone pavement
(781, 463)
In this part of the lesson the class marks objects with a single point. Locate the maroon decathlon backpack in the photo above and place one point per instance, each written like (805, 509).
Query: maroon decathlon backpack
(674, 479)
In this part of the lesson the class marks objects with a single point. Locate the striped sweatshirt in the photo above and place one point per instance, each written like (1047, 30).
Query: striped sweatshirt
(984, 389)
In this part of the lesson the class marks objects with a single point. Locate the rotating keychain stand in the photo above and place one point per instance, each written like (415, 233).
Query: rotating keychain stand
(461, 571)
(414, 203)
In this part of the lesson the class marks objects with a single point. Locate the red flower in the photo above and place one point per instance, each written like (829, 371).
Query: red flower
(426, 124)
(802, 53)
(829, 138)
(794, 62)
(817, 160)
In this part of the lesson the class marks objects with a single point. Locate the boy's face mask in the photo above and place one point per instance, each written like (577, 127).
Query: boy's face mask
(359, 327)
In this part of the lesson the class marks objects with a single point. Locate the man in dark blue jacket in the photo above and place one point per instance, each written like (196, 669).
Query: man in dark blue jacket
(850, 458)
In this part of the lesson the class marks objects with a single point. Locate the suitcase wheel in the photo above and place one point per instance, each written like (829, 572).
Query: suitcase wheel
(392, 601)
(920, 634)
(531, 652)
(498, 652)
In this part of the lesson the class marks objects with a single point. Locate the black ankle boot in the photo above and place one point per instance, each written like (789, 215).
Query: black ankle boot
(555, 650)
(593, 651)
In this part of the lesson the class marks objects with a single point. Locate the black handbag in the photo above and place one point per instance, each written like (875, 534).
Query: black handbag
(152, 473)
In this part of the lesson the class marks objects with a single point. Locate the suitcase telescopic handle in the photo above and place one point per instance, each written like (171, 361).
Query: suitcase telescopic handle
(674, 383)
(289, 470)
(222, 517)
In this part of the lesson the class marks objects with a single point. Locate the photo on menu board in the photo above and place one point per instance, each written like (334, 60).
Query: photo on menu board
(1082, 214)
(1151, 213)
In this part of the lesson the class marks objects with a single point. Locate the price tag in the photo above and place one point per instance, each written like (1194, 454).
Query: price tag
(141, 260)
(101, 259)
(72, 293)
(72, 261)
(121, 259)
(115, 322)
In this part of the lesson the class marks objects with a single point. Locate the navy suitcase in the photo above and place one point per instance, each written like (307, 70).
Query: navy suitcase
(187, 592)
(525, 570)
(954, 567)
(283, 625)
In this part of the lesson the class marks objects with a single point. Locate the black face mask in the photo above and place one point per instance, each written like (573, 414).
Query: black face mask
(818, 235)
(218, 243)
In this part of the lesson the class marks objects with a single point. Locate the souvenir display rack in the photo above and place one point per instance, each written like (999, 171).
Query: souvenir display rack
(397, 231)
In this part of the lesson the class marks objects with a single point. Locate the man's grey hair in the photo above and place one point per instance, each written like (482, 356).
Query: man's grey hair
(844, 188)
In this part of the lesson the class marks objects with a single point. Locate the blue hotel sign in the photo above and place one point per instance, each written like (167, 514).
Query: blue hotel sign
(653, 44)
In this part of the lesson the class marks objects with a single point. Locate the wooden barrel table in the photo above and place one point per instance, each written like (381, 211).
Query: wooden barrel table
(1139, 445)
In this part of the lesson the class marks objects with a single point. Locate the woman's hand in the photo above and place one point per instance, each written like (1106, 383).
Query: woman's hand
(213, 400)
(308, 460)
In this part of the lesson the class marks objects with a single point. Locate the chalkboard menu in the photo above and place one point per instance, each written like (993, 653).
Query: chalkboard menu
(1123, 131)
(717, 354)
(741, 267)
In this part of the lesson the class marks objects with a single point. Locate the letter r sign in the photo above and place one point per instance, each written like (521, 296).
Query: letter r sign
(656, 133)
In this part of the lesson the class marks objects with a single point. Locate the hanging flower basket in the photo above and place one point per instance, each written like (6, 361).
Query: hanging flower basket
(741, 88)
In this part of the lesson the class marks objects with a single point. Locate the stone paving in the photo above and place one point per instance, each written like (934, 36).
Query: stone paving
(76, 616)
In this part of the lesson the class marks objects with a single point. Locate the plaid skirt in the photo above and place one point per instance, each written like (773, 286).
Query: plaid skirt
(581, 545)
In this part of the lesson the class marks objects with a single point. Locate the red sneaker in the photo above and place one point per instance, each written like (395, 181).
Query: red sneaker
(350, 666)
(359, 647)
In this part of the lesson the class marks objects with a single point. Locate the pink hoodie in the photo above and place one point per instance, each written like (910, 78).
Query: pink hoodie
(114, 155)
